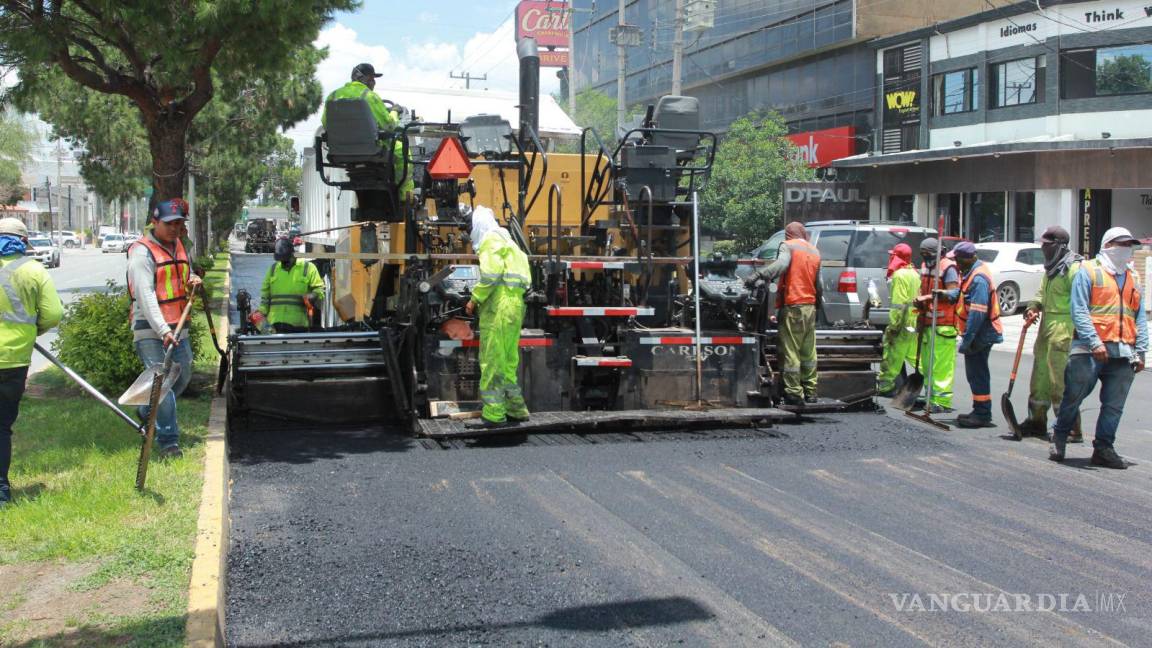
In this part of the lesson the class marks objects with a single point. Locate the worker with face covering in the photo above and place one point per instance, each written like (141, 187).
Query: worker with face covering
(939, 346)
(1052, 306)
(291, 290)
(900, 335)
(797, 265)
(978, 319)
(499, 298)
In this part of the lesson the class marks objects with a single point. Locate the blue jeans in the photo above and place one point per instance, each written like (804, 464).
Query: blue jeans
(151, 353)
(11, 391)
(1080, 378)
(979, 379)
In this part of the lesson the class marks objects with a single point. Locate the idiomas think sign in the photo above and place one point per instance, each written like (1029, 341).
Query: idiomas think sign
(547, 22)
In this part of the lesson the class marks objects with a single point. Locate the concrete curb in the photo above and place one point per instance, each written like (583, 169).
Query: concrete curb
(205, 625)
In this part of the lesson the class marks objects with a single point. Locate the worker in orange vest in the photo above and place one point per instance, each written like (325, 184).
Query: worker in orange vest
(798, 267)
(978, 323)
(1109, 345)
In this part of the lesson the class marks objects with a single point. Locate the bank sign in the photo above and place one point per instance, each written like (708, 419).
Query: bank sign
(805, 201)
(821, 148)
(547, 22)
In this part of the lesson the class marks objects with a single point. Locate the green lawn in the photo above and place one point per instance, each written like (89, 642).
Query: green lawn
(117, 561)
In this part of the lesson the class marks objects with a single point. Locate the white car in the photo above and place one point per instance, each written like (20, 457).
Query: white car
(43, 251)
(113, 243)
(1017, 269)
(67, 239)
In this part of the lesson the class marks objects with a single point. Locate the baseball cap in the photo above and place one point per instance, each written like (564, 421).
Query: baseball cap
(363, 71)
(902, 250)
(931, 245)
(964, 250)
(13, 226)
(1054, 234)
(170, 210)
(1118, 235)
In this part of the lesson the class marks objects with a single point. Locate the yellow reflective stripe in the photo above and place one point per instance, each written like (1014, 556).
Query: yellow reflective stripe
(978, 308)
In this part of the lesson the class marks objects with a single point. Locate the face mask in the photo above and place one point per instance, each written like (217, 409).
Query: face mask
(965, 264)
(929, 261)
(1119, 256)
(1051, 250)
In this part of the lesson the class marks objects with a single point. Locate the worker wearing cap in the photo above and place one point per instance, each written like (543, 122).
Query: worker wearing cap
(1109, 346)
(160, 283)
(900, 335)
(1052, 305)
(941, 347)
(290, 290)
(499, 296)
(363, 86)
(29, 306)
(978, 322)
(797, 265)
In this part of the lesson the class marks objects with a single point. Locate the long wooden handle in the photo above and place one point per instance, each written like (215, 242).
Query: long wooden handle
(1019, 350)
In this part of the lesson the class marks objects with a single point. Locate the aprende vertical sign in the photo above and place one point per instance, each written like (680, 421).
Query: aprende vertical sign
(547, 22)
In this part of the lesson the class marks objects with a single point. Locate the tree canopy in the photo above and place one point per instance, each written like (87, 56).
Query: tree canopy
(744, 197)
(16, 141)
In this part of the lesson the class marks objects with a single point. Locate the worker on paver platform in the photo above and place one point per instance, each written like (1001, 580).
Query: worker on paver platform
(1052, 305)
(900, 335)
(978, 320)
(363, 86)
(798, 267)
(499, 296)
(29, 306)
(291, 291)
(1110, 343)
(943, 371)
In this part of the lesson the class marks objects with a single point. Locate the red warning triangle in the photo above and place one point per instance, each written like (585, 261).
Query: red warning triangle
(450, 161)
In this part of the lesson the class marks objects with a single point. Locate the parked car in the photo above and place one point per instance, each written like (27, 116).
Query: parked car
(67, 239)
(852, 253)
(44, 251)
(1017, 269)
(113, 243)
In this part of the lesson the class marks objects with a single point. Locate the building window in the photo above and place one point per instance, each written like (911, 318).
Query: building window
(900, 209)
(1017, 83)
(1107, 71)
(984, 220)
(1024, 216)
(955, 92)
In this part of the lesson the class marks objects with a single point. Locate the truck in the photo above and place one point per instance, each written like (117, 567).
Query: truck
(625, 323)
(260, 236)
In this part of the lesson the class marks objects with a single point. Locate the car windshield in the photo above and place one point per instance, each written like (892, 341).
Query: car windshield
(988, 256)
(113, 237)
(870, 249)
(40, 242)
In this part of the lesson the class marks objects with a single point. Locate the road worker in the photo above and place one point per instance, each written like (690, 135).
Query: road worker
(291, 291)
(900, 335)
(1052, 306)
(1109, 345)
(941, 348)
(978, 322)
(798, 267)
(499, 298)
(29, 306)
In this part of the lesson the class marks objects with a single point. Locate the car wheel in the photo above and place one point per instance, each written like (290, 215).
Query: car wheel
(1009, 296)
(69, 244)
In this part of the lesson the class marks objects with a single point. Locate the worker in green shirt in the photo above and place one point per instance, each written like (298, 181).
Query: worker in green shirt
(291, 290)
(900, 335)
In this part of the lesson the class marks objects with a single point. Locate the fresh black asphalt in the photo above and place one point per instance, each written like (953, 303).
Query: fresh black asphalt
(802, 534)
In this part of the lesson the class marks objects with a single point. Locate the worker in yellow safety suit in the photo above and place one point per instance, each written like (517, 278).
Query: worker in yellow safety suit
(291, 290)
(900, 335)
(363, 86)
(499, 297)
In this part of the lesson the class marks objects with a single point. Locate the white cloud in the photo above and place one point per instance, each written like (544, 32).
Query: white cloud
(420, 65)
(428, 17)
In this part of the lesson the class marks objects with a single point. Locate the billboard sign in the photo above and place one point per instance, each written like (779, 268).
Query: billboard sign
(805, 201)
(820, 148)
(554, 58)
(547, 22)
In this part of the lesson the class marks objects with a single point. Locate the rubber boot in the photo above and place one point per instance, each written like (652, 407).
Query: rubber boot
(1037, 422)
(1077, 434)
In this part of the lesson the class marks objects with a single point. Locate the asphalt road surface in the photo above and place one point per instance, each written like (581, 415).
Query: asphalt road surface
(853, 529)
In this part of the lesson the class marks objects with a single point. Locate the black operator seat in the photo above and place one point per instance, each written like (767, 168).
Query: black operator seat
(677, 113)
(353, 135)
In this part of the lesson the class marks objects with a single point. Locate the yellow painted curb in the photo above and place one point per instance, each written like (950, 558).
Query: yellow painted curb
(205, 624)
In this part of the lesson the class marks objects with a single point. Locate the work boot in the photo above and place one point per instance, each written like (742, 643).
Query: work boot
(811, 399)
(1056, 450)
(5, 494)
(523, 418)
(974, 420)
(171, 452)
(1107, 458)
(886, 393)
(485, 424)
(1077, 434)
(793, 400)
(940, 409)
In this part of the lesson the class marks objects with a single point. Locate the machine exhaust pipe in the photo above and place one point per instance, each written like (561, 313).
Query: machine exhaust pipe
(529, 89)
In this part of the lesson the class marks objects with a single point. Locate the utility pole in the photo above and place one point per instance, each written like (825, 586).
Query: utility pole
(59, 166)
(677, 47)
(621, 71)
(468, 78)
(194, 226)
(48, 189)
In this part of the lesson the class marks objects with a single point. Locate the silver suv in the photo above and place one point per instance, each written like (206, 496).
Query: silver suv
(852, 253)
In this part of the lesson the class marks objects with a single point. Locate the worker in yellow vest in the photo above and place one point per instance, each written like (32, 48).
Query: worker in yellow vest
(29, 306)
(1109, 346)
(291, 290)
(900, 335)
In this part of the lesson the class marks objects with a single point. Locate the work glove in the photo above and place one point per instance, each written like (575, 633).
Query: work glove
(257, 318)
(753, 280)
(965, 347)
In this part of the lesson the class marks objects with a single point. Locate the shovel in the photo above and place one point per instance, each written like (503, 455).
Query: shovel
(92, 391)
(222, 371)
(1006, 399)
(906, 396)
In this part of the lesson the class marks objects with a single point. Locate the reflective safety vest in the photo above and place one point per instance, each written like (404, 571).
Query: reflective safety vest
(945, 311)
(799, 283)
(993, 307)
(16, 313)
(1113, 309)
(172, 273)
(284, 291)
(502, 264)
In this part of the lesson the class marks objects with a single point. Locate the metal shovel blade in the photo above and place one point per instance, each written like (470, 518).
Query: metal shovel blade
(1010, 416)
(140, 392)
(905, 397)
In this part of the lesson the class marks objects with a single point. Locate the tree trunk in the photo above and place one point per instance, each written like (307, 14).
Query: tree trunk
(166, 140)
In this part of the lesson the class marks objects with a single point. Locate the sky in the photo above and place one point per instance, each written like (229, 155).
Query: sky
(418, 44)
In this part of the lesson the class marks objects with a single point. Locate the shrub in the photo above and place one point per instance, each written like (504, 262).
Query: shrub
(727, 248)
(95, 339)
(203, 264)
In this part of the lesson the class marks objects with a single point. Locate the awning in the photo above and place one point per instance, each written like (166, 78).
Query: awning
(995, 149)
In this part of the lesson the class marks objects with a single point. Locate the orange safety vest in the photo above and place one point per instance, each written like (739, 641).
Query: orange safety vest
(993, 309)
(945, 312)
(172, 273)
(799, 283)
(1112, 309)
